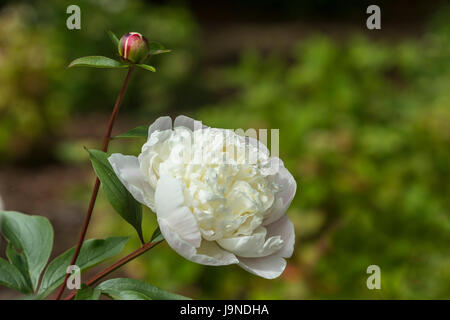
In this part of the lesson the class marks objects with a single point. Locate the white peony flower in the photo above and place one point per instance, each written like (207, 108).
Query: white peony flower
(217, 197)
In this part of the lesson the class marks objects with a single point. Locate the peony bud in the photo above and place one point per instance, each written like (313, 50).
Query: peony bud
(133, 47)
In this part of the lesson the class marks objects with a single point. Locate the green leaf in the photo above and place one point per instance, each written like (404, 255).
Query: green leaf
(119, 197)
(126, 289)
(132, 295)
(19, 261)
(157, 235)
(32, 239)
(147, 67)
(11, 277)
(156, 48)
(97, 62)
(87, 293)
(139, 132)
(113, 38)
(92, 252)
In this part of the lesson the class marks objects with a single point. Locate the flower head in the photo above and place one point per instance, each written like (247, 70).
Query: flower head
(214, 205)
(133, 47)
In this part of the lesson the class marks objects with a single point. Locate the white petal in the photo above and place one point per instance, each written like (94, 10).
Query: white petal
(129, 173)
(261, 147)
(284, 197)
(209, 253)
(170, 207)
(154, 143)
(267, 267)
(161, 124)
(253, 246)
(183, 121)
(284, 228)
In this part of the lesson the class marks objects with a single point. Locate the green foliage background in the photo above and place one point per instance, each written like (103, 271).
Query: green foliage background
(364, 129)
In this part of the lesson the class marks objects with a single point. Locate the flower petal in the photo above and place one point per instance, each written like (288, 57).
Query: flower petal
(170, 207)
(284, 228)
(183, 121)
(129, 173)
(284, 197)
(209, 253)
(253, 246)
(273, 266)
(257, 144)
(161, 124)
(269, 267)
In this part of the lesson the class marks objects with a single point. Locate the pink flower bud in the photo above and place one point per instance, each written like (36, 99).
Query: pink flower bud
(133, 47)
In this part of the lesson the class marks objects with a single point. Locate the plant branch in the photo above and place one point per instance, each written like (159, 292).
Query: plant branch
(145, 247)
(106, 140)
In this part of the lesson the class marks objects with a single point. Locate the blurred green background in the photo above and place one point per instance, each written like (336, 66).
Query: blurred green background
(363, 118)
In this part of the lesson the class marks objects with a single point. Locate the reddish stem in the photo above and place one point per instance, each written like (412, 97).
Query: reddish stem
(106, 140)
(145, 247)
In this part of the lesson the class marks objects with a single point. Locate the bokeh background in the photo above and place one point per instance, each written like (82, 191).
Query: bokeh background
(363, 117)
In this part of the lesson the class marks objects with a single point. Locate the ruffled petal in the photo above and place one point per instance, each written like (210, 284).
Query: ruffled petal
(183, 121)
(161, 124)
(253, 246)
(269, 267)
(257, 144)
(129, 173)
(170, 207)
(209, 253)
(284, 197)
(283, 228)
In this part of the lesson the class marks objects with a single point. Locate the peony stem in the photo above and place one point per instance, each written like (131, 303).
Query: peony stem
(145, 247)
(106, 140)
